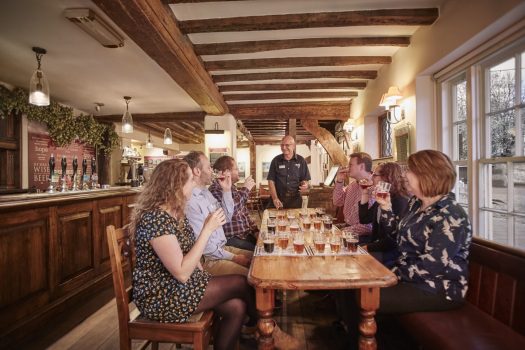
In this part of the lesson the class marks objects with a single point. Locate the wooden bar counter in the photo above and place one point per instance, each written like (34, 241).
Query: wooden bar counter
(54, 254)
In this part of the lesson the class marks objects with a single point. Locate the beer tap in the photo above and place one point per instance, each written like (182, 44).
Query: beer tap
(51, 188)
(63, 164)
(94, 176)
(75, 167)
(84, 174)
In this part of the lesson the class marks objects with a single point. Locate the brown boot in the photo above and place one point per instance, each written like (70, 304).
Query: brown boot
(284, 341)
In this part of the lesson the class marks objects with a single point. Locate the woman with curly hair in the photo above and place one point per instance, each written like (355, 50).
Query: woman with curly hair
(169, 283)
(382, 245)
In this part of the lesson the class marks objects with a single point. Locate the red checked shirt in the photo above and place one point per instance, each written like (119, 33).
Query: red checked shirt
(241, 224)
(349, 198)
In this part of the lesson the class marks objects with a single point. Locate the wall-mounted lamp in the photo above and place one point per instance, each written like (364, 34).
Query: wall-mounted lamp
(149, 144)
(351, 130)
(167, 137)
(389, 100)
(215, 131)
(38, 85)
(127, 119)
(89, 22)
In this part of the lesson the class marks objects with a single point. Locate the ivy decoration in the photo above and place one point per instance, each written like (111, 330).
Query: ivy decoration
(62, 125)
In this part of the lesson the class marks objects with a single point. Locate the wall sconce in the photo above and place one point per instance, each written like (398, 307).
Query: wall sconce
(93, 25)
(38, 85)
(351, 130)
(149, 144)
(127, 119)
(215, 131)
(167, 137)
(389, 100)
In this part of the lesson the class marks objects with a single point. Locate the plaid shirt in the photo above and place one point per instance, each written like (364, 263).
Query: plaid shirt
(241, 225)
(349, 198)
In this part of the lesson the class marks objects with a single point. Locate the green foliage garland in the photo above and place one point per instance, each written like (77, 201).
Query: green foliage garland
(63, 127)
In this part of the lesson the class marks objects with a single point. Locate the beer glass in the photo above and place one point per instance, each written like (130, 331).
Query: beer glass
(268, 241)
(319, 242)
(365, 183)
(283, 240)
(298, 243)
(320, 212)
(317, 224)
(213, 207)
(290, 215)
(382, 189)
(304, 213)
(307, 224)
(327, 223)
(294, 226)
(270, 225)
(350, 240)
(272, 214)
(281, 225)
(281, 215)
(335, 244)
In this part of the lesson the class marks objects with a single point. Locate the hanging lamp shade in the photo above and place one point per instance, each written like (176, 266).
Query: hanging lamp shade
(149, 144)
(167, 137)
(38, 85)
(127, 119)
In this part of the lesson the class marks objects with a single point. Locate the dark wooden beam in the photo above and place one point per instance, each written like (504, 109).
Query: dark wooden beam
(154, 28)
(271, 45)
(276, 140)
(298, 86)
(292, 127)
(192, 1)
(284, 95)
(334, 150)
(285, 111)
(156, 117)
(348, 74)
(393, 17)
(291, 62)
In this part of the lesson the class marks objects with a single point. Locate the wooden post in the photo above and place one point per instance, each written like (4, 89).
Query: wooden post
(328, 141)
(292, 127)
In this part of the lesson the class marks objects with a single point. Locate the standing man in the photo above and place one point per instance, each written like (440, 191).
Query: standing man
(241, 232)
(218, 259)
(359, 167)
(287, 176)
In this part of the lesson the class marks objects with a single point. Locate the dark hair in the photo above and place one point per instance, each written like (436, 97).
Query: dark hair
(363, 158)
(434, 170)
(392, 173)
(163, 188)
(224, 163)
(194, 159)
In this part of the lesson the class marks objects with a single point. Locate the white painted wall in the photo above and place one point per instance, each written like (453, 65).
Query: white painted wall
(228, 139)
(461, 26)
(243, 155)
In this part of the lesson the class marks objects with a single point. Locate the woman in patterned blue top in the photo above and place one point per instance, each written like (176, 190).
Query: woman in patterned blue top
(169, 283)
(433, 239)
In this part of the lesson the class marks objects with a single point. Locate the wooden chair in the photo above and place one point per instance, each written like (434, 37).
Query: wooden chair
(197, 333)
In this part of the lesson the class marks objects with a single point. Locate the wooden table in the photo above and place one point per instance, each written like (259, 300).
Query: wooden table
(362, 272)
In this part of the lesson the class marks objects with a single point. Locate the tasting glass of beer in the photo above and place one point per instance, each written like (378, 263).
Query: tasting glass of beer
(298, 243)
(319, 242)
(317, 224)
(327, 223)
(268, 241)
(290, 215)
(283, 239)
(335, 244)
(270, 225)
(281, 225)
(350, 240)
(320, 212)
(382, 189)
(307, 224)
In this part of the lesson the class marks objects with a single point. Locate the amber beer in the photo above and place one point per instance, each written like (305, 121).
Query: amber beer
(283, 243)
(381, 194)
(335, 246)
(307, 224)
(298, 246)
(269, 245)
(294, 228)
(328, 224)
(350, 244)
(281, 226)
(319, 246)
(317, 225)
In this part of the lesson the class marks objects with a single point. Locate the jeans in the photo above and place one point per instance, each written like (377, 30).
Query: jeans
(246, 244)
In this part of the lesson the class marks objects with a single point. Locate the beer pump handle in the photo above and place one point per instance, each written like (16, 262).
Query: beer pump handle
(93, 165)
(75, 165)
(51, 166)
(63, 164)
(84, 167)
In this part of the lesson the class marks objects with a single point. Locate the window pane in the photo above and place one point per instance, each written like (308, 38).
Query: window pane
(460, 101)
(519, 187)
(499, 228)
(522, 111)
(460, 139)
(461, 188)
(498, 190)
(502, 134)
(523, 77)
(386, 138)
(502, 81)
(519, 232)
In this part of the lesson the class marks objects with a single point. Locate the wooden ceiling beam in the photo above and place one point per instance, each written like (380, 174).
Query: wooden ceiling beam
(347, 74)
(284, 95)
(285, 111)
(156, 117)
(192, 1)
(291, 62)
(272, 45)
(393, 17)
(154, 28)
(329, 142)
(298, 86)
(159, 131)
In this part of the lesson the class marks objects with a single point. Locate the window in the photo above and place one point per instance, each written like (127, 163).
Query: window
(385, 137)
(482, 105)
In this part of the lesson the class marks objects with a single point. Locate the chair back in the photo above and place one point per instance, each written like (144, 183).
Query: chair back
(120, 247)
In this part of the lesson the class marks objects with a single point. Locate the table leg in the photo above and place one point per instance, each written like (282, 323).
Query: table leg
(369, 303)
(265, 302)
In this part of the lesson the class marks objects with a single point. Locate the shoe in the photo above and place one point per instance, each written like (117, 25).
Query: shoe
(248, 332)
(284, 341)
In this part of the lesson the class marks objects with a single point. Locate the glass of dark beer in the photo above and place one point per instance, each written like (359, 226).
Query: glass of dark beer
(268, 241)
(271, 225)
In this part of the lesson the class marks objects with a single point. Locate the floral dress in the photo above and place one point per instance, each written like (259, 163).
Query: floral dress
(157, 293)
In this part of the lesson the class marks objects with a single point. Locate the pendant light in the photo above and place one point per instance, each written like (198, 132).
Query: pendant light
(167, 137)
(149, 144)
(38, 85)
(127, 119)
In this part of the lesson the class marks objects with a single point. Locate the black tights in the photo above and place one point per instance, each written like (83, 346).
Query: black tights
(231, 298)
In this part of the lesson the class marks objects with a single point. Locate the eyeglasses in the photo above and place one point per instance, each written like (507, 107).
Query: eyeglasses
(377, 174)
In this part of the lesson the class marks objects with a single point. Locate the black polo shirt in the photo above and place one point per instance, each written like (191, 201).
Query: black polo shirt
(288, 174)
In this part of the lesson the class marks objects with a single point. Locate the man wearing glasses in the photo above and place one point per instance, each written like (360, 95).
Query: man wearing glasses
(288, 175)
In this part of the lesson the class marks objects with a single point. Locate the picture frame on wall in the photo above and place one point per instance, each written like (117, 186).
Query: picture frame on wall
(242, 170)
(265, 170)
